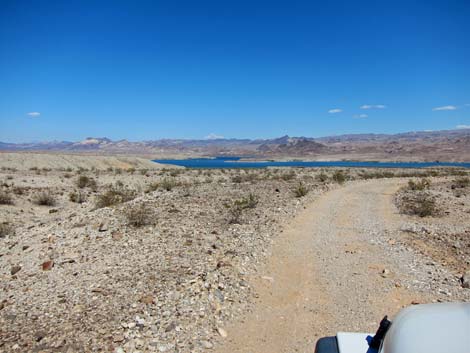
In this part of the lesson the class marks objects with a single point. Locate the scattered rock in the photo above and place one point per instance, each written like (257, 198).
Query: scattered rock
(385, 273)
(15, 269)
(222, 332)
(206, 344)
(117, 235)
(47, 265)
(147, 299)
(465, 280)
(170, 327)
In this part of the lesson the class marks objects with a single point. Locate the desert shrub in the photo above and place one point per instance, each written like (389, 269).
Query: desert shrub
(322, 177)
(81, 170)
(420, 185)
(117, 171)
(138, 215)
(114, 195)
(420, 203)
(19, 190)
(339, 177)
(77, 196)
(131, 170)
(143, 171)
(237, 179)
(235, 214)
(84, 181)
(44, 198)
(6, 229)
(460, 183)
(300, 190)
(5, 198)
(238, 206)
(176, 172)
(168, 184)
(152, 187)
(288, 176)
(249, 201)
(376, 174)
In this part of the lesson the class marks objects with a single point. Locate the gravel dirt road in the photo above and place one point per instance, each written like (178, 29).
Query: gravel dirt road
(328, 272)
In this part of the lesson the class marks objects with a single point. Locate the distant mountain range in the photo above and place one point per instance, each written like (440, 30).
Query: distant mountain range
(448, 145)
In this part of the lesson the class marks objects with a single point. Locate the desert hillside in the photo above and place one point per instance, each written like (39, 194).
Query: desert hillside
(30, 160)
(426, 146)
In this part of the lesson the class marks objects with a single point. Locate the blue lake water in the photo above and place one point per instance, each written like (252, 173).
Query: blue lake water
(234, 162)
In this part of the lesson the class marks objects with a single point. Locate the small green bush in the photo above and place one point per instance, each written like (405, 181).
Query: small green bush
(339, 177)
(238, 206)
(322, 177)
(300, 190)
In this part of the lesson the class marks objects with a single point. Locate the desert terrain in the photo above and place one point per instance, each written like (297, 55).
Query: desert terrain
(116, 255)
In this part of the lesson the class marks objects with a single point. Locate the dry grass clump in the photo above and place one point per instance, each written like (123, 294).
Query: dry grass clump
(301, 190)
(44, 198)
(77, 196)
(84, 181)
(114, 195)
(138, 215)
(420, 185)
(6, 229)
(5, 198)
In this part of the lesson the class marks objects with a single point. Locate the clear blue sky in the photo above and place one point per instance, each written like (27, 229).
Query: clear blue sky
(185, 69)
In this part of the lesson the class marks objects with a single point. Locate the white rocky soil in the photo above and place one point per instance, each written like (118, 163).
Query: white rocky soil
(287, 270)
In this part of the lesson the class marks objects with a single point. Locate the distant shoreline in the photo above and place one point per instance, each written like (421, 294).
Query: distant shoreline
(239, 162)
